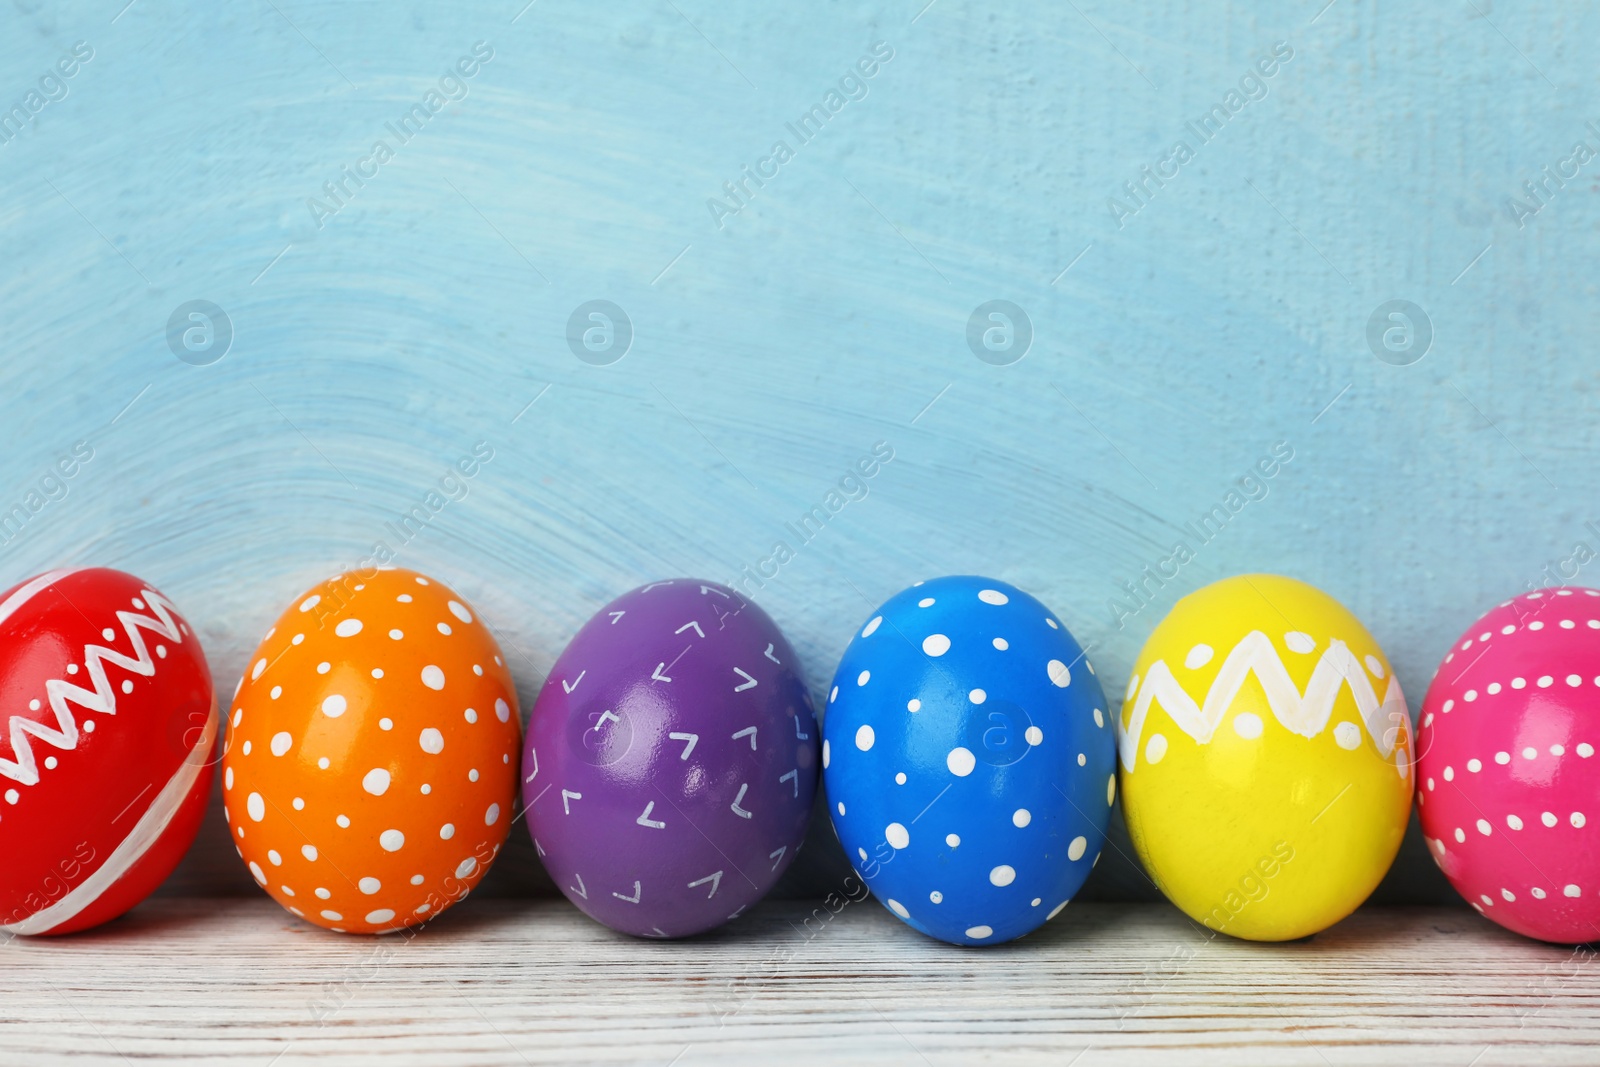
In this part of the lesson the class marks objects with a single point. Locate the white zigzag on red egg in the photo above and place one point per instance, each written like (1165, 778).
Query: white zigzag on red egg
(102, 698)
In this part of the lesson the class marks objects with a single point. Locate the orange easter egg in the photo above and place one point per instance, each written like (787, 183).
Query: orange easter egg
(372, 753)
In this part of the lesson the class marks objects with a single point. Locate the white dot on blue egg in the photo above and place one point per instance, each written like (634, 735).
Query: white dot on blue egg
(993, 596)
(1059, 674)
(936, 896)
(862, 853)
(900, 779)
(925, 602)
(1001, 643)
(961, 761)
(872, 626)
(936, 644)
(863, 678)
(913, 705)
(952, 840)
(1033, 735)
(1021, 817)
(864, 738)
(978, 933)
(1076, 849)
(833, 695)
(897, 836)
(841, 807)
(1003, 875)
(898, 908)
(977, 696)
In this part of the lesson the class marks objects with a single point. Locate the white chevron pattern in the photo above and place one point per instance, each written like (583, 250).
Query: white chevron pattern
(1305, 714)
(102, 698)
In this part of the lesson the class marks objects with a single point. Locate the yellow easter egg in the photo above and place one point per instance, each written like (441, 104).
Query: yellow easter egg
(1265, 758)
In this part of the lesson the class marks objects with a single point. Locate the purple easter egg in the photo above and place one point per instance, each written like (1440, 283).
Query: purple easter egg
(671, 760)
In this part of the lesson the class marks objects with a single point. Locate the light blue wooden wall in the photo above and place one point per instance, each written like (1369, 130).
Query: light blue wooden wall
(1172, 346)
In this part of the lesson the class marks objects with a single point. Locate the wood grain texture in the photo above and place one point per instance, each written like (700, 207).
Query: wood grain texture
(240, 982)
(772, 348)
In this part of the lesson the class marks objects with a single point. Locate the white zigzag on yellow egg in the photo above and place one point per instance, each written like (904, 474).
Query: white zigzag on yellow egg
(103, 698)
(1305, 714)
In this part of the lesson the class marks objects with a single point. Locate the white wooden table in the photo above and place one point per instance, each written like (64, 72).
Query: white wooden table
(237, 981)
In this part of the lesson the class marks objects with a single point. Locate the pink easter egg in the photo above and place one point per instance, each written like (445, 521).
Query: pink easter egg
(1509, 789)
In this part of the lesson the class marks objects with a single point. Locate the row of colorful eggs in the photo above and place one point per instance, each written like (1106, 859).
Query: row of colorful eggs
(374, 754)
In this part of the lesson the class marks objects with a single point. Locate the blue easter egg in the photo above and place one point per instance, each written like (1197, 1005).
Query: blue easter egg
(969, 760)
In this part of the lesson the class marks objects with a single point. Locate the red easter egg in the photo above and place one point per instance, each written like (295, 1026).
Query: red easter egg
(105, 761)
(1509, 789)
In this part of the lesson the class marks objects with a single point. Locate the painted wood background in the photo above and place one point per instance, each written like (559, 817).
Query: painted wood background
(369, 331)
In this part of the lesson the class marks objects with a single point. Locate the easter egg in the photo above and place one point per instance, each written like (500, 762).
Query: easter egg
(671, 760)
(105, 762)
(1508, 786)
(1266, 758)
(371, 756)
(969, 760)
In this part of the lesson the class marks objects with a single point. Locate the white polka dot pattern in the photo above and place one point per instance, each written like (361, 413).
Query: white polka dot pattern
(951, 688)
(1520, 710)
(348, 752)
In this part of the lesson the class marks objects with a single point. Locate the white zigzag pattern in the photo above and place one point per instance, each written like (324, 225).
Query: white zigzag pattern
(102, 698)
(1306, 715)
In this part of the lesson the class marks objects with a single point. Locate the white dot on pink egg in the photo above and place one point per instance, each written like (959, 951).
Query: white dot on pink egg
(1516, 776)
